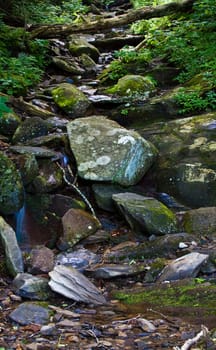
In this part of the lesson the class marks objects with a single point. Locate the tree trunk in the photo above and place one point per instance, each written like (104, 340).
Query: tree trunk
(60, 30)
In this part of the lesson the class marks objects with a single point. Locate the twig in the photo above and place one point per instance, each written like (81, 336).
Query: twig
(187, 345)
(72, 184)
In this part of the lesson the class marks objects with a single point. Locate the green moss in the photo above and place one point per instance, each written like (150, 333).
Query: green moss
(191, 294)
(132, 84)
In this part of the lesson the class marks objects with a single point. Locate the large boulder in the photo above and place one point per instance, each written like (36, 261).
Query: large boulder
(105, 151)
(145, 214)
(11, 187)
(70, 99)
(186, 165)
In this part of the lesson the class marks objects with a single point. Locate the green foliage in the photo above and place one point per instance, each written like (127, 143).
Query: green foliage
(188, 42)
(124, 57)
(129, 55)
(17, 74)
(116, 70)
(47, 11)
(193, 101)
(3, 107)
(21, 61)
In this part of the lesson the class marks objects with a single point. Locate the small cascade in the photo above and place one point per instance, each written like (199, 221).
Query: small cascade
(21, 234)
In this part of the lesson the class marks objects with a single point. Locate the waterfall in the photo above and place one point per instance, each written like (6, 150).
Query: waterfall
(20, 227)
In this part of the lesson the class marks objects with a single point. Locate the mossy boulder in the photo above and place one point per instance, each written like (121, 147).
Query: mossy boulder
(132, 85)
(11, 187)
(200, 221)
(9, 121)
(67, 65)
(186, 164)
(70, 99)
(29, 129)
(78, 46)
(146, 215)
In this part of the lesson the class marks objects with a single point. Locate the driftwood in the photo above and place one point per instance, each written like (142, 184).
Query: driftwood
(61, 30)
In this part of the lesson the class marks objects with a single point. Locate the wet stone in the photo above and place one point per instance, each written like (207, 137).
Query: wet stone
(30, 313)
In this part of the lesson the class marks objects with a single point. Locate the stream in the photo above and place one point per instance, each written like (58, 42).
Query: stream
(124, 262)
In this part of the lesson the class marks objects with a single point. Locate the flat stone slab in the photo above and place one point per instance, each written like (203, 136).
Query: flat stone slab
(72, 284)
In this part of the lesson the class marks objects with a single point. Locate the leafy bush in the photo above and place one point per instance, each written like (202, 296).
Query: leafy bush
(47, 11)
(18, 73)
(3, 107)
(193, 101)
(22, 60)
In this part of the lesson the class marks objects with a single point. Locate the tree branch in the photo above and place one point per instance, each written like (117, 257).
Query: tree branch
(59, 30)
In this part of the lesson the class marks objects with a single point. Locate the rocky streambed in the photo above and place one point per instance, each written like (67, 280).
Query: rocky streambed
(107, 202)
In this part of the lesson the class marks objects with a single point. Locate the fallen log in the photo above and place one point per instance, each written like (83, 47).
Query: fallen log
(62, 30)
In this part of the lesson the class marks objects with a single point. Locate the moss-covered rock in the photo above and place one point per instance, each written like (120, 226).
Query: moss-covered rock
(28, 167)
(71, 100)
(78, 46)
(186, 165)
(9, 121)
(133, 84)
(29, 129)
(77, 224)
(11, 187)
(50, 177)
(200, 221)
(146, 215)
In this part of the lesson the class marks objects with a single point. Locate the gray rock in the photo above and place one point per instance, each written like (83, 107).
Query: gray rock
(72, 284)
(184, 267)
(146, 214)
(41, 260)
(79, 259)
(30, 313)
(103, 195)
(200, 221)
(115, 270)
(38, 152)
(14, 260)
(67, 64)
(30, 128)
(31, 287)
(78, 224)
(105, 151)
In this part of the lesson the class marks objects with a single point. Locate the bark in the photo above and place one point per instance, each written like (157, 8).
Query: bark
(58, 30)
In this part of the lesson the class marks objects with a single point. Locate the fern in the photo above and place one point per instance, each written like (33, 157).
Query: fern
(3, 107)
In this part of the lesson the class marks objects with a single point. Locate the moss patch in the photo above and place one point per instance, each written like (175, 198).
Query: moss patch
(192, 293)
